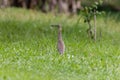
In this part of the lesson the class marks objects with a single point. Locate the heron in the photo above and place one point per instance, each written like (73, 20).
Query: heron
(60, 43)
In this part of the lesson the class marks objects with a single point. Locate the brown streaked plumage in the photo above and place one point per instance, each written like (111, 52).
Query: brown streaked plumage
(60, 44)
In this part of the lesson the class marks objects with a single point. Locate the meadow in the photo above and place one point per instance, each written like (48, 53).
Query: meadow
(28, 47)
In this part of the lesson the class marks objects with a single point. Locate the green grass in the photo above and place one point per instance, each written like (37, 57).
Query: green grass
(28, 47)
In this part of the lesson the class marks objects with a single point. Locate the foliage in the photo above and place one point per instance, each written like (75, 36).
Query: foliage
(89, 13)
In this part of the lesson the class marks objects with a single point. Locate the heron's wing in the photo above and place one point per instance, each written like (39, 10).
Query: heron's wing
(61, 46)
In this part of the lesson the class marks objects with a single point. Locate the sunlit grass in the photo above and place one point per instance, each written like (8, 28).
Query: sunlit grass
(28, 47)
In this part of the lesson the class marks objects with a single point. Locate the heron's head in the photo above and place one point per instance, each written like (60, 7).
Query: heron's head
(58, 25)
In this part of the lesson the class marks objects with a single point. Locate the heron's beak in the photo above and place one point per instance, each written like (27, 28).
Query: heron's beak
(54, 25)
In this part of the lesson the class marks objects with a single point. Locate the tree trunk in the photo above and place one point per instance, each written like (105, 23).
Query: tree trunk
(95, 25)
(52, 5)
(33, 4)
(62, 6)
(5, 3)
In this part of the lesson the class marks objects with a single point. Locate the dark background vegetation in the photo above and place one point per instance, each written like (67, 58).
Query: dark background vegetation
(64, 6)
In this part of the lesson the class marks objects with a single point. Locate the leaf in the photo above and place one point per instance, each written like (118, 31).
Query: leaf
(95, 6)
(100, 2)
(96, 3)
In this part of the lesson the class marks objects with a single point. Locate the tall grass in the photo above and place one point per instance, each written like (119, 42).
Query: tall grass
(28, 47)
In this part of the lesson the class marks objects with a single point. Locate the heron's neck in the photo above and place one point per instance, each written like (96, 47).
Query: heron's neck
(59, 35)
